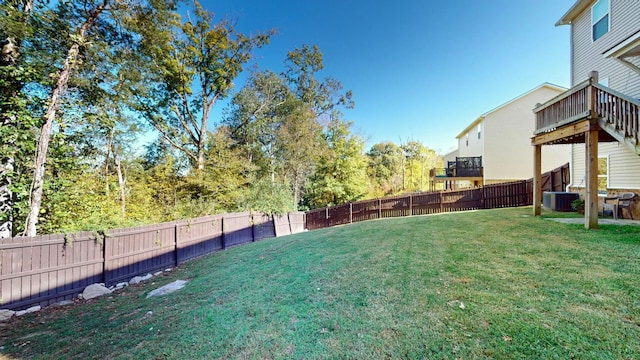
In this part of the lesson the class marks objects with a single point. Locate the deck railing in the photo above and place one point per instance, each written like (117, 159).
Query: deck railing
(580, 102)
(619, 110)
(462, 167)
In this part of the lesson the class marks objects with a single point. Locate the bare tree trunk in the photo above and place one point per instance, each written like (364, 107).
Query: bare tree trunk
(106, 162)
(121, 181)
(42, 148)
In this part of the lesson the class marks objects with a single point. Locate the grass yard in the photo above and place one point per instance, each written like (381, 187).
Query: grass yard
(487, 284)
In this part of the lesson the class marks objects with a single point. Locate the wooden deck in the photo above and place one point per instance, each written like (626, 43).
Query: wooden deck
(566, 118)
(588, 113)
(463, 169)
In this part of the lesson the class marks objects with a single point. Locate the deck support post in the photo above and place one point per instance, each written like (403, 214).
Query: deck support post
(537, 180)
(591, 179)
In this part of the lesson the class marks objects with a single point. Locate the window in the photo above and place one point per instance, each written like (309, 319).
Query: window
(600, 19)
(603, 175)
(467, 138)
(479, 130)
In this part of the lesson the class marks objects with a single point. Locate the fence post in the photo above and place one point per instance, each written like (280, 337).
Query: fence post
(104, 258)
(379, 208)
(222, 227)
(350, 213)
(253, 225)
(410, 205)
(441, 200)
(326, 217)
(175, 241)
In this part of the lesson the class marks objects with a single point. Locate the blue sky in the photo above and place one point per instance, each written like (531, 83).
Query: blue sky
(419, 70)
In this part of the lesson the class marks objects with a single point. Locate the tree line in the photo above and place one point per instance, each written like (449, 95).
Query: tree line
(84, 82)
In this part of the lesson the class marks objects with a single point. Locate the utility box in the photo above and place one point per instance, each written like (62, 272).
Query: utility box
(558, 201)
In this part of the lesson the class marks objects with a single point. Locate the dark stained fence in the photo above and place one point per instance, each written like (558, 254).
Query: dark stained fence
(395, 206)
(366, 210)
(43, 270)
(198, 237)
(512, 194)
(136, 251)
(263, 227)
(237, 229)
(427, 203)
(46, 269)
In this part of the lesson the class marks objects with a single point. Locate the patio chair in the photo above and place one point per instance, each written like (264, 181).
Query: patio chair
(624, 202)
(610, 204)
(615, 204)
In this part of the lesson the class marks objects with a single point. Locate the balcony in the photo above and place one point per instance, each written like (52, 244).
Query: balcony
(566, 118)
(462, 169)
(588, 113)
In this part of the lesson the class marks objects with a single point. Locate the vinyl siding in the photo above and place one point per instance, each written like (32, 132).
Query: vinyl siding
(624, 166)
(475, 147)
(587, 54)
(508, 153)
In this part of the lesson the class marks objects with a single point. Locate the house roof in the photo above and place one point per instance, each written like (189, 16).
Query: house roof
(574, 11)
(481, 117)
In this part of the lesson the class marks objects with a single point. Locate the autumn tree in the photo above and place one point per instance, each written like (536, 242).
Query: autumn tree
(385, 169)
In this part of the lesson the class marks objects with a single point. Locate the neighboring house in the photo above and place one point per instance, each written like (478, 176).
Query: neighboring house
(498, 143)
(599, 115)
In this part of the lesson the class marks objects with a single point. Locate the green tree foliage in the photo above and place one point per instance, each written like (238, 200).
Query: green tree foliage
(302, 66)
(255, 117)
(340, 175)
(385, 168)
(418, 161)
(78, 79)
(192, 66)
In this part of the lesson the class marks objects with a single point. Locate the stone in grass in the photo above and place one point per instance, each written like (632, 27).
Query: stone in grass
(29, 310)
(139, 279)
(95, 290)
(62, 303)
(6, 314)
(167, 289)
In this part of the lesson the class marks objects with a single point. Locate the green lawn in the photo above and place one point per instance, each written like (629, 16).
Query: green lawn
(486, 284)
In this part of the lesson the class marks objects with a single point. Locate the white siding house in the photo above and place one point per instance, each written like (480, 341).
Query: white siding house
(613, 52)
(502, 137)
(600, 114)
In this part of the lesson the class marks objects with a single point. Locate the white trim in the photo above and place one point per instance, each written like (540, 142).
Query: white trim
(619, 52)
(623, 47)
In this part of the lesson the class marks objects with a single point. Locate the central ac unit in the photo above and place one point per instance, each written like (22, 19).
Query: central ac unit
(558, 201)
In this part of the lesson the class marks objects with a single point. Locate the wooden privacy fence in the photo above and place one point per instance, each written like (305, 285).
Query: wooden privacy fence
(43, 270)
(512, 194)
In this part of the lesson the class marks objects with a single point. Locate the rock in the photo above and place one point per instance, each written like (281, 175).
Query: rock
(167, 289)
(6, 314)
(167, 269)
(139, 279)
(62, 303)
(157, 273)
(29, 310)
(95, 290)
